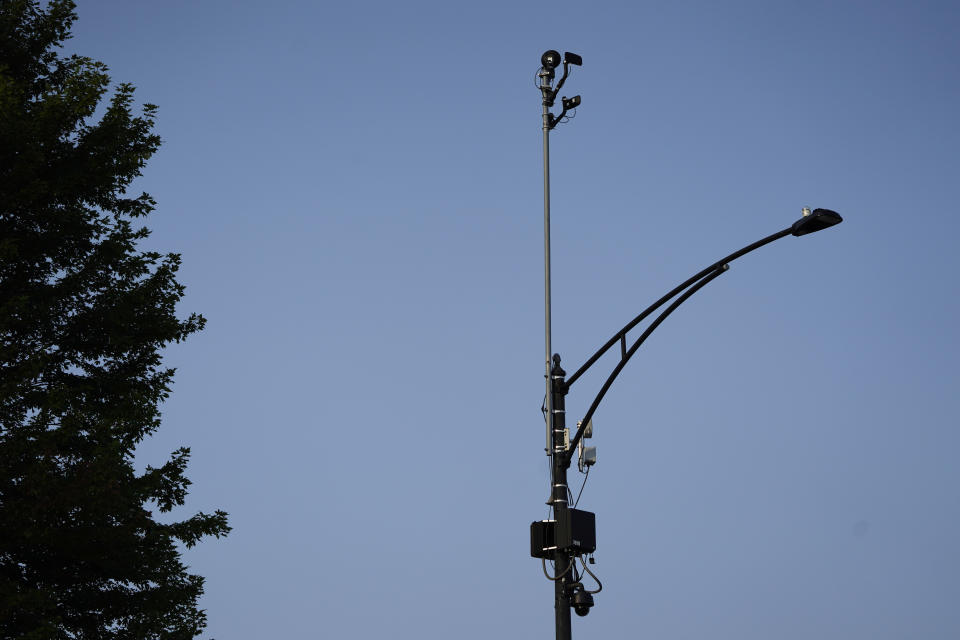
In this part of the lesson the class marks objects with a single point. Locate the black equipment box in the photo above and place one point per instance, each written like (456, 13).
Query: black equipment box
(542, 542)
(576, 531)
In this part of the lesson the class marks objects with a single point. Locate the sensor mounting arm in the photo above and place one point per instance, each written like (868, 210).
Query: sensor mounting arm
(568, 104)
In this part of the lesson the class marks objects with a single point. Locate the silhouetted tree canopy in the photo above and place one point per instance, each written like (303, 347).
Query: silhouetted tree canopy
(83, 317)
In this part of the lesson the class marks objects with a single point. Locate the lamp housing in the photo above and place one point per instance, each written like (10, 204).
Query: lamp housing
(816, 221)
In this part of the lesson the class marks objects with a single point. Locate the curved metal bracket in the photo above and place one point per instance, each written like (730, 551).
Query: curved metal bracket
(680, 287)
(633, 349)
(692, 285)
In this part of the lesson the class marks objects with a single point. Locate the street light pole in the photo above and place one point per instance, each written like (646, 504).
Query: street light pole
(571, 533)
(562, 558)
(555, 386)
(546, 76)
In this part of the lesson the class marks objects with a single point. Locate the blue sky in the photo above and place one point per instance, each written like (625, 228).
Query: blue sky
(356, 192)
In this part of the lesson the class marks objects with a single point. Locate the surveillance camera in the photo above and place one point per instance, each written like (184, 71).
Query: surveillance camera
(572, 58)
(550, 59)
(582, 601)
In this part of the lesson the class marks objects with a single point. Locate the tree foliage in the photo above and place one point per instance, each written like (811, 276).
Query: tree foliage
(84, 315)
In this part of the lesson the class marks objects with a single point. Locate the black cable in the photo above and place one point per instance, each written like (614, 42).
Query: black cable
(587, 569)
(555, 578)
(585, 476)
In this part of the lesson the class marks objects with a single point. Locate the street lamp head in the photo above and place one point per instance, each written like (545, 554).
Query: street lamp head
(819, 219)
(550, 59)
(572, 58)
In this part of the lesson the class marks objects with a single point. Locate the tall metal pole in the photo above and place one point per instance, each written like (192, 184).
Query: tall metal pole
(555, 391)
(562, 558)
(546, 76)
(555, 539)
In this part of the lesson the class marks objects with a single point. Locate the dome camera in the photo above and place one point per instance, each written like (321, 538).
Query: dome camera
(582, 601)
(550, 59)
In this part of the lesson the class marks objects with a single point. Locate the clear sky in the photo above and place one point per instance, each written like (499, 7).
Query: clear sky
(356, 190)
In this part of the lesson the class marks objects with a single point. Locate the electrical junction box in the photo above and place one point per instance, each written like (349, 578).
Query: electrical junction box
(589, 456)
(576, 531)
(542, 539)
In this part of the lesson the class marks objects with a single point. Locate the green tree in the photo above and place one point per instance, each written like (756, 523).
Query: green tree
(83, 317)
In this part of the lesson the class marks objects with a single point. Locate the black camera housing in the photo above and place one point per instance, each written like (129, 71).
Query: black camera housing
(550, 59)
(582, 600)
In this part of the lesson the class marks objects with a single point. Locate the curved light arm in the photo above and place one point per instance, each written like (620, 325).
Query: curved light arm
(680, 287)
(810, 222)
(633, 349)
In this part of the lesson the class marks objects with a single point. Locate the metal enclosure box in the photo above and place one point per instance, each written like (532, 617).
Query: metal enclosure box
(578, 531)
(542, 539)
